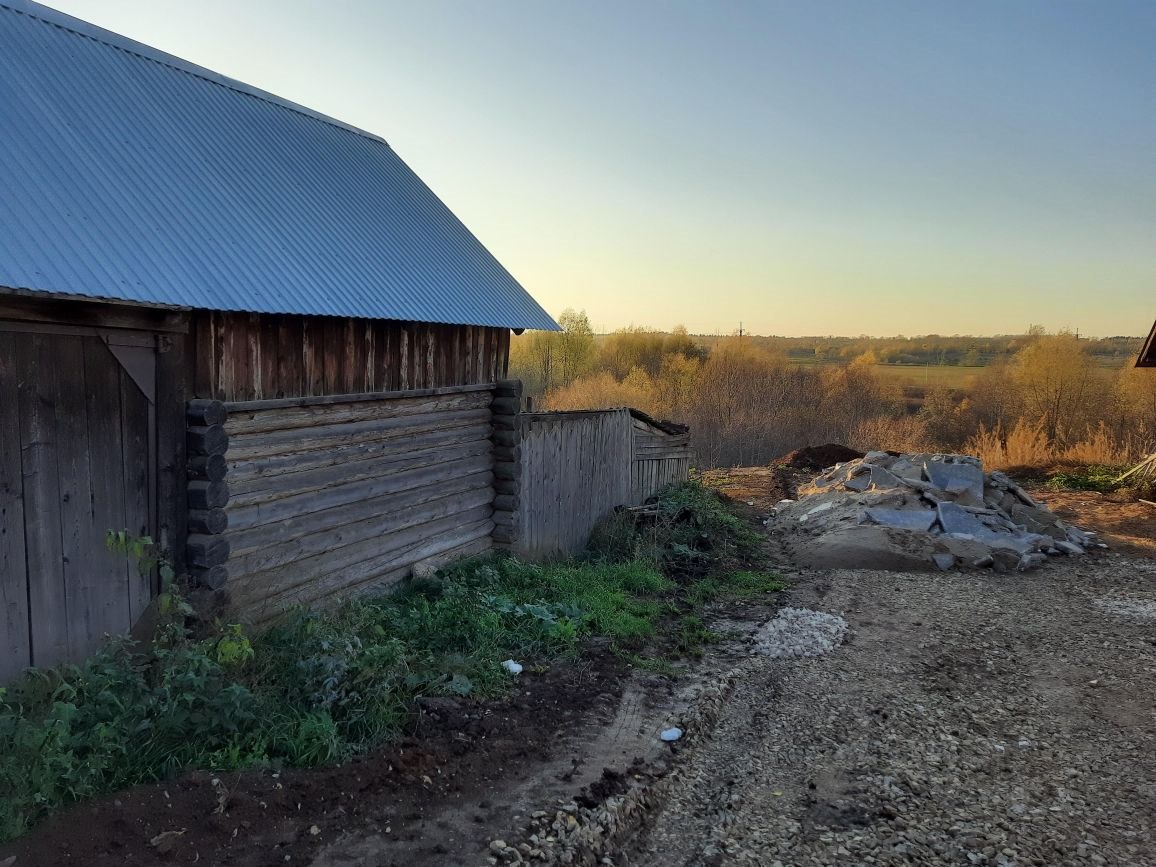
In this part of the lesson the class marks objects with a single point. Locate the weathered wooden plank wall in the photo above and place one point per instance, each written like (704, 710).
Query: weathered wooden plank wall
(660, 459)
(575, 470)
(334, 496)
(252, 356)
(77, 459)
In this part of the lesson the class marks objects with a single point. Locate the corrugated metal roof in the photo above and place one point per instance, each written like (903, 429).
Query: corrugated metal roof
(129, 174)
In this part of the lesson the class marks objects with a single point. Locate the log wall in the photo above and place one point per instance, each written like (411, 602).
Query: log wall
(507, 437)
(253, 356)
(327, 497)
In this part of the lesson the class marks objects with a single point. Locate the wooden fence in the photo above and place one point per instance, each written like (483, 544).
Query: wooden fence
(576, 467)
(661, 456)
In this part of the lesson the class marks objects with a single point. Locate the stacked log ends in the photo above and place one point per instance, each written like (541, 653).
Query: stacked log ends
(207, 550)
(507, 461)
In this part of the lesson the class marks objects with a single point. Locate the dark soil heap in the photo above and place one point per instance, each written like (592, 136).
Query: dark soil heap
(819, 457)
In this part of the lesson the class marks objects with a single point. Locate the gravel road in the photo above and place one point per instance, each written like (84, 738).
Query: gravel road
(969, 719)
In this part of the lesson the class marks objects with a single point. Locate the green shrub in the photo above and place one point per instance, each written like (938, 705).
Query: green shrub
(694, 533)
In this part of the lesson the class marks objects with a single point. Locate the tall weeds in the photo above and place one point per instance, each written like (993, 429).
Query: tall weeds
(1028, 445)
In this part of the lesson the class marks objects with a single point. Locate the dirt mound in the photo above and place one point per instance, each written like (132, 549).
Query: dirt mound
(819, 457)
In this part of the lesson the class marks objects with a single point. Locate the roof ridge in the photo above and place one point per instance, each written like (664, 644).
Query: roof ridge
(112, 39)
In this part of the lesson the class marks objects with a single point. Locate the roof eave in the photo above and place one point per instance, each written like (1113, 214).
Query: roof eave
(39, 294)
(1147, 357)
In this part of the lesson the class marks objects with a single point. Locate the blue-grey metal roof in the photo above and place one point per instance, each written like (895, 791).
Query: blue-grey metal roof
(132, 175)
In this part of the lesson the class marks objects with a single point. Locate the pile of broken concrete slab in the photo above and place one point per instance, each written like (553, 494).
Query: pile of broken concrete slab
(914, 511)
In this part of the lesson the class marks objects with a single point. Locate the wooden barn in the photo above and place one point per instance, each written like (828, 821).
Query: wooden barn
(227, 322)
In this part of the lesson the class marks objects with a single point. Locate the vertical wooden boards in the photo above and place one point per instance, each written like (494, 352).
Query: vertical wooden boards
(77, 458)
(576, 467)
(137, 461)
(106, 441)
(333, 496)
(39, 458)
(85, 584)
(15, 645)
(289, 374)
(250, 356)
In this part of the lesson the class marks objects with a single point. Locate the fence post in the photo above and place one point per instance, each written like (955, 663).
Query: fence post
(507, 440)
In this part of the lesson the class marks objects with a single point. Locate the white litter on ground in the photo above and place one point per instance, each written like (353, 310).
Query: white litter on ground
(1127, 607)
(800, 632)
(512, 667)
(671, 734)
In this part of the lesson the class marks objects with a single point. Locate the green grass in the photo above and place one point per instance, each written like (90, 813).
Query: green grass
(1085, 478)
(314, 689)
(319, 687)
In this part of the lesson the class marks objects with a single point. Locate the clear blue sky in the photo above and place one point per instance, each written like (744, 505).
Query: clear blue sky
(804, 167)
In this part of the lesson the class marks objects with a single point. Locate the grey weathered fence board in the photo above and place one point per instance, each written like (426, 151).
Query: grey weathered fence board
(575, 470)
(576, 467)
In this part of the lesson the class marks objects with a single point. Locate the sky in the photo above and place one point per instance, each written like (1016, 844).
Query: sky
(799, 168)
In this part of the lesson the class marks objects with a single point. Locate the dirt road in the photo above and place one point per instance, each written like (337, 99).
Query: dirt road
(970, 719)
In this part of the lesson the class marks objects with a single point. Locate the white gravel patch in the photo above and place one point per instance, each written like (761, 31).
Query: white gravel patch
(1141, 608)
(800, 632)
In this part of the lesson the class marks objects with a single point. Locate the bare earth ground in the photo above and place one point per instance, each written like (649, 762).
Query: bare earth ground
(970, 719)
(1129, 526)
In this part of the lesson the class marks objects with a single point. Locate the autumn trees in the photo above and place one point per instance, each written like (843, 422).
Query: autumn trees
(749, 400)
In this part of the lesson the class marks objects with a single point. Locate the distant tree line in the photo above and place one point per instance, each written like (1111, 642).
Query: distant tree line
(750, 399)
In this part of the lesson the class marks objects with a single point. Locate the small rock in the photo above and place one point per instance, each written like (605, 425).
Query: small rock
(943, 562)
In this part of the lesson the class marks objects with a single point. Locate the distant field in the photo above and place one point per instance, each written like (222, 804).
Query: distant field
(927, 375)
(943, 375)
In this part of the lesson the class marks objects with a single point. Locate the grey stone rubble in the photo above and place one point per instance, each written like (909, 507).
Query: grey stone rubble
(1144, 609)
(977, 519)
(800, 632)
